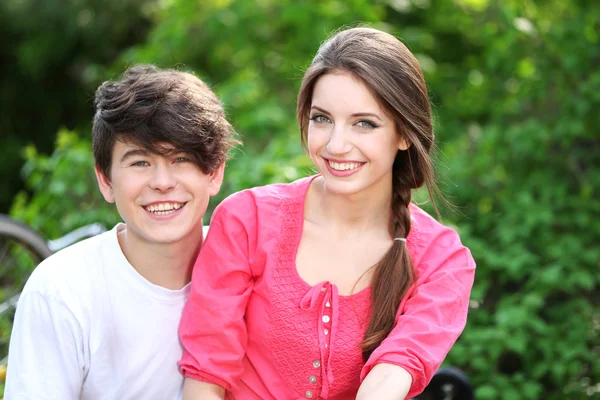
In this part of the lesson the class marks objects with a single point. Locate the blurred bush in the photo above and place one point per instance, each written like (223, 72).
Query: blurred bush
(65, 195)
(516, 89)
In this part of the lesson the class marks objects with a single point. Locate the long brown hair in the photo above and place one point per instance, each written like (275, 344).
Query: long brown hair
(394, 77)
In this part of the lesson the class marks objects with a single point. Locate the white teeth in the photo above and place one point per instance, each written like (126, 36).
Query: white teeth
(344, 166)
(164, 208)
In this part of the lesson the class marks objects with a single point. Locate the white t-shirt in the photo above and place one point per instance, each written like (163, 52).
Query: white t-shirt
(88, 326)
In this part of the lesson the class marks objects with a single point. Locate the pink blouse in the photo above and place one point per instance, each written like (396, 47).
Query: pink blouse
(253, 326)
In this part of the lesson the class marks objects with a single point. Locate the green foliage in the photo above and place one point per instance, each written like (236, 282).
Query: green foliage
(65, 195)
(525, 165)
(515, 86)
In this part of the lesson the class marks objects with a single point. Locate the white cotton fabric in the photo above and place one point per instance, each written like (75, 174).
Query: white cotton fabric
(88, 326)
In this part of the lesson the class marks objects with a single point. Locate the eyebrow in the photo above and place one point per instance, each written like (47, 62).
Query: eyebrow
(134, 153)
(353, 115)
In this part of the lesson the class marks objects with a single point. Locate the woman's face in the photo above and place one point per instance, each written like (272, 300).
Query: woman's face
(352, 141)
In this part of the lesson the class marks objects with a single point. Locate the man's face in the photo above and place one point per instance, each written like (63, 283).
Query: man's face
(161, 198)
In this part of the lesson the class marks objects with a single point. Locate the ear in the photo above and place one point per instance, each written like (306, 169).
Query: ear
(104, 185)
(215, 179)
(403, 144)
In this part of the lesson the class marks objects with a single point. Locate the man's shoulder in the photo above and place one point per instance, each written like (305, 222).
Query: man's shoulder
(72, 268)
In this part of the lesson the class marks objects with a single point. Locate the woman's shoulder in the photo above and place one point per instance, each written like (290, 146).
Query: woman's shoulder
(437, 251)
(269, 196)
(428, 236)
(263, 211)
(427, 226)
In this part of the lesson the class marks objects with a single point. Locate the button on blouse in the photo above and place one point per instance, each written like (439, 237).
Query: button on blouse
(321, 297)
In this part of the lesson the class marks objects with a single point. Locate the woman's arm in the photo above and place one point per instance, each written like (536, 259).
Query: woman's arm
(385, 382)
(432, 315)
(212, 328)
(196, 390)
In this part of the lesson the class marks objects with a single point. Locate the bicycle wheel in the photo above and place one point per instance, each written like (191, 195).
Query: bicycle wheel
(21, 250)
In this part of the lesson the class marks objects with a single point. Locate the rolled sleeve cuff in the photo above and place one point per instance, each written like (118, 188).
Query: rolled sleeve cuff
(419, 382)
(204, 377)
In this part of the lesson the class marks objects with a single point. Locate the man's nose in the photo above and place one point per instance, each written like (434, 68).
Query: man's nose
(163, 179)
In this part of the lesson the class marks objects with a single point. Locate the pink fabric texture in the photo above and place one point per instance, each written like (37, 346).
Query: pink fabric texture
(253, 326)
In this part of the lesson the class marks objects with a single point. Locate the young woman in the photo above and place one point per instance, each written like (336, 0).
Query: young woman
(335, 286)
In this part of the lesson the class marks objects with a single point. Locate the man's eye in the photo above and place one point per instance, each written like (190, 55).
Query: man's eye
(182, 159)
(140, 164)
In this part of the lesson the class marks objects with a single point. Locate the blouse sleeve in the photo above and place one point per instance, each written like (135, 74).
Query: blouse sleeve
(212, 329)
(433, 314)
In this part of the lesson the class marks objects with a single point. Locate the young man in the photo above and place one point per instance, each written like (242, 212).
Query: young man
(99, 319)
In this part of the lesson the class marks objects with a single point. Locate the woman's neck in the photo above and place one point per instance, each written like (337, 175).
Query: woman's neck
(360, 212)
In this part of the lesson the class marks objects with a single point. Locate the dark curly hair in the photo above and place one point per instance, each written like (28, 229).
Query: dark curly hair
(152, 107)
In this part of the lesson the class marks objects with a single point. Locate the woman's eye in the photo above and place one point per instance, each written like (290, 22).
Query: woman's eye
(320, 118)
(140, 164)
(366, 124)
